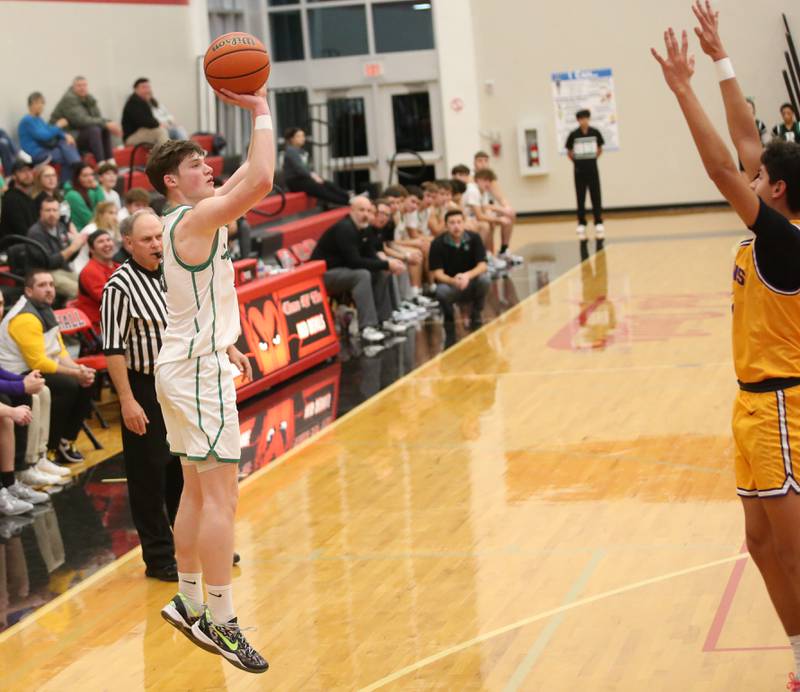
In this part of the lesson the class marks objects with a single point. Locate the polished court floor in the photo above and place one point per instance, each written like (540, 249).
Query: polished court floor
(547, 505)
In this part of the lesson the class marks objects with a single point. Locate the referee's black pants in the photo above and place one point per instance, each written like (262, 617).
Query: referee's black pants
(588, 179)
(155, 480)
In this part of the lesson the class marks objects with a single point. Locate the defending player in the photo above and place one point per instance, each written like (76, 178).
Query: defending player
(766, 316)
(194, 379)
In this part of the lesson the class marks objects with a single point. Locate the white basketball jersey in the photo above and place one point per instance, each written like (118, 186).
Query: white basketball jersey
(202, 307)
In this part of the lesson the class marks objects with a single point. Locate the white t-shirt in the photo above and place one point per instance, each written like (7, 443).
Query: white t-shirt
(471, 199)
(113, 196)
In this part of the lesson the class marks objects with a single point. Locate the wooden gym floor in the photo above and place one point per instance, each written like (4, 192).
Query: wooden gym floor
(548, 505)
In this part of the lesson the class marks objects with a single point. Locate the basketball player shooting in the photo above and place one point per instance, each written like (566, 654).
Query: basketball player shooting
(195, 372)
(766, 315)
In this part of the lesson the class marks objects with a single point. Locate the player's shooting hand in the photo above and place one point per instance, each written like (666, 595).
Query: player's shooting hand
(241, 361)
(255, 103)
(678, 66)
(134, 417)
(708, 31)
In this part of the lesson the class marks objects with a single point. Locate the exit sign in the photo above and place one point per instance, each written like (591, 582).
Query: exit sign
(373, 69)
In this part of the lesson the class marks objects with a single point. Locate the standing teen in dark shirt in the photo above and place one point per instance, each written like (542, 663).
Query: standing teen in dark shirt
(584, 147)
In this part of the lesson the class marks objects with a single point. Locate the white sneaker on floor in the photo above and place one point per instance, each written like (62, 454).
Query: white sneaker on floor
(10, 505)
(35, 478)
(581, 231)
(495, 263)
(424, 301)
(392, 328)
(23, 492)
(372, 334)
(403, 315)
(599, 231)
(46, 466)
(510, 259)
(417, 310)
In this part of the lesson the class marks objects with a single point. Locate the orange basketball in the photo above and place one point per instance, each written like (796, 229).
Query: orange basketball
(236, 61)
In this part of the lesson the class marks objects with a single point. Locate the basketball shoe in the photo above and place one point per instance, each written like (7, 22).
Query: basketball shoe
(228, 641)
(180, 613)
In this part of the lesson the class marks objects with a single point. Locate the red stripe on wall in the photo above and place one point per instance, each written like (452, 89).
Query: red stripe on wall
(114, 2)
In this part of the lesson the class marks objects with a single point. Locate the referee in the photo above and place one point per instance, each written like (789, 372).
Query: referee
(133, 317)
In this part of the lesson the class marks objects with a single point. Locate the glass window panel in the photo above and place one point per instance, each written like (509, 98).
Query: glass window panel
(348, 127)
(402, 26)
(357, 180)
(273, 3)
(286, 36)
(412, 121)
(291, 109)
(416, 175)
(337, 31)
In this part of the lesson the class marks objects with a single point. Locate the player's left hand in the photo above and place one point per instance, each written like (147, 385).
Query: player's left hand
(708, 31)
(678, 66)
(241, 361)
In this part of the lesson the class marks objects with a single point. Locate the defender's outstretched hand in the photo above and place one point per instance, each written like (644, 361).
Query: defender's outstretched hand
(708, 31)
(678, 66)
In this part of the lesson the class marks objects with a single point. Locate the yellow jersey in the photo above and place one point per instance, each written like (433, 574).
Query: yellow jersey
(766, 323)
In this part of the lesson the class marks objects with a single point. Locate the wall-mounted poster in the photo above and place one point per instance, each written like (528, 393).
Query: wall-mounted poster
(592, 89)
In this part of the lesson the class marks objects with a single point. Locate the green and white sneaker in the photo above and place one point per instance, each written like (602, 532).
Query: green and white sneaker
(180, 613)
(228, 641)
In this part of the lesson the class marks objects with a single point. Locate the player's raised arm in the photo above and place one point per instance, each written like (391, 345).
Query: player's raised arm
(678, 68)
(741, 124)
(251, 182)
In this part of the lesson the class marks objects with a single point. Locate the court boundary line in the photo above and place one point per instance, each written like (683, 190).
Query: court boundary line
(724, 609)
(492, 634)
(290, 454)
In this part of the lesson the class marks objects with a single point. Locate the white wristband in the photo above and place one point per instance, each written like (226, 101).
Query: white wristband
(724, 69)
(263, 122)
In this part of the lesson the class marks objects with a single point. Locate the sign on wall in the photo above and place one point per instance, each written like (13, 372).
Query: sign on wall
(592, 89)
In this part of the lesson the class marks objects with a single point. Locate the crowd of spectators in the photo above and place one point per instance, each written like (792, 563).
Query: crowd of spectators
(417, 249)
(60, 214)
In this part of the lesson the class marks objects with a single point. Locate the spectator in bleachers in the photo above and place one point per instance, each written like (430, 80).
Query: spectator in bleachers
(78, 112)
(33, 469)
(364, 276)
(428, 213)
(300, 178)
(458, 264)
(107, 177)
(30, 340)
(760, 125)
(139, 123)
(46, 142)
(18, 212)
(83, 194)
(167, 121)
(789, 129)
(9, 153)
(61, 243)
(476, 217)
(496, 215)
(103, 219)
(135, 199)
(95, 275)
(45, 184)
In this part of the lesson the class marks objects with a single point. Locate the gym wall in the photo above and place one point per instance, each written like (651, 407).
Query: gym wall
(46, 44)
(518, 44)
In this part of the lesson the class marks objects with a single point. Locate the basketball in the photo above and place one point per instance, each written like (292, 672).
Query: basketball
(236, 61)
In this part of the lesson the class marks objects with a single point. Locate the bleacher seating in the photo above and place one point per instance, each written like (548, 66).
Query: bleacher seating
(296, 203)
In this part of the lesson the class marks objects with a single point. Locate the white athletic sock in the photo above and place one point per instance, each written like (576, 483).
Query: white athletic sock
(795, 642)
(190, 584)
(220, 603)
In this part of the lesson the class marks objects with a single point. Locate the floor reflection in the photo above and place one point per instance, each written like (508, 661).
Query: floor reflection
(88, 524)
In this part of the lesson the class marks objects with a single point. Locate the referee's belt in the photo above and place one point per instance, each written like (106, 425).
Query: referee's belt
(771, 385)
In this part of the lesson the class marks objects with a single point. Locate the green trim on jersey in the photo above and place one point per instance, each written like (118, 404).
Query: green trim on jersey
(191, 267)
(210, 454)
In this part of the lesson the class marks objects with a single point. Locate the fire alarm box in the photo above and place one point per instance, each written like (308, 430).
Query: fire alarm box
(532, 159)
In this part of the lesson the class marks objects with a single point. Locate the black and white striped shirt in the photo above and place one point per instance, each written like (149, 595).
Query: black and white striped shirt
(134, 316)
